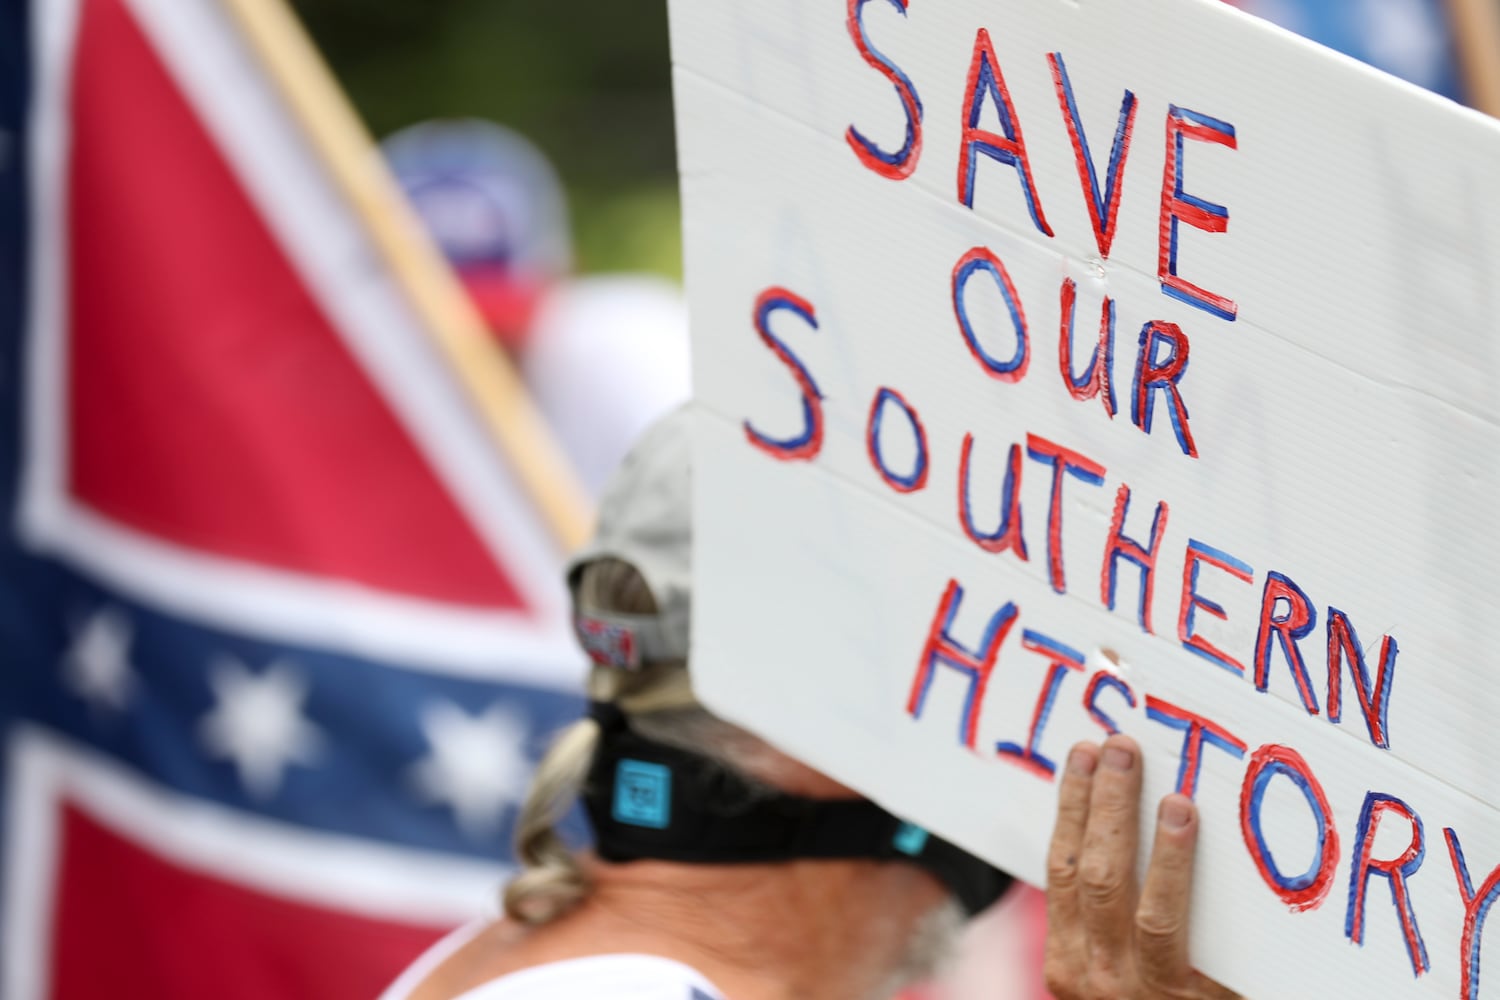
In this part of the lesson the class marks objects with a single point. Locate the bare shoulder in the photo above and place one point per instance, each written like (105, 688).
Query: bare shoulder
(491, 967)
(461, 962)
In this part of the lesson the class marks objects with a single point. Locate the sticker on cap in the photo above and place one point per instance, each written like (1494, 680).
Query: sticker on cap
(609, 644)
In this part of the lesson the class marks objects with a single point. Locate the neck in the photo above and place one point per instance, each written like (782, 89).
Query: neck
(829, 929)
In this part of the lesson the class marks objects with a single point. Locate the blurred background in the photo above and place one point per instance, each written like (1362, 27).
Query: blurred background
(589, 83)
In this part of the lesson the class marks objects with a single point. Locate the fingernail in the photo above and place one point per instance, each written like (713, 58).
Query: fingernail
(1082, 761)
(1176, 812)
(1118, 758)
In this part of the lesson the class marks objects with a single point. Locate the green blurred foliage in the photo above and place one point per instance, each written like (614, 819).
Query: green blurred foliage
(588, 80)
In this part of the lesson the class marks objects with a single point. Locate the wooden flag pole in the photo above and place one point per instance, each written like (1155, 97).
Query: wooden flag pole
(1476, 36)
(491, 382)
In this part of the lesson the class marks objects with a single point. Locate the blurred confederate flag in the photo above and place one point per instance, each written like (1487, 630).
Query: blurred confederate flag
(281, 636)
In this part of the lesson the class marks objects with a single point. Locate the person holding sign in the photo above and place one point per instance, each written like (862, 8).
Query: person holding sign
(726, 869)
(1106, 938)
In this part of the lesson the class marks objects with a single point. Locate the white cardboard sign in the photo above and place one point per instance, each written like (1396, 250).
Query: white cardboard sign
(1260, 468)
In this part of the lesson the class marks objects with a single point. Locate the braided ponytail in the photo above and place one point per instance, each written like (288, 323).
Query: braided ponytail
(551, 881)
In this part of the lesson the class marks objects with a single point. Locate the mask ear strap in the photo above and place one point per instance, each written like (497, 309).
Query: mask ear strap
(650, 800)
(608, 715)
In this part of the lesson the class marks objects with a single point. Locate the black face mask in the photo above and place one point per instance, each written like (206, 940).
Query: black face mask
(648, 800)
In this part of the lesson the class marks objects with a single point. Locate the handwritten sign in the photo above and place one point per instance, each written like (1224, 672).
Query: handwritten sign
(1078, 365)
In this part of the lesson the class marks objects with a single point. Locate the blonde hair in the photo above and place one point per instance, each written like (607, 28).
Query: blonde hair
(659, 704)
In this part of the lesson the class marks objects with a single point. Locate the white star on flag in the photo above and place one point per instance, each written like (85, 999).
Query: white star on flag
(258, 724)
(96, 666)
(478, 764)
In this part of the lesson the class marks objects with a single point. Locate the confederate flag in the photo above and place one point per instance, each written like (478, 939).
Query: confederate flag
(281, 634)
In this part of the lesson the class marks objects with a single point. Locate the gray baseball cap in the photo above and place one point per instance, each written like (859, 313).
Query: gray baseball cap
(645, 519)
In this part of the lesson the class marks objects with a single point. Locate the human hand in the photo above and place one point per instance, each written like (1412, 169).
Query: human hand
(1108, 939)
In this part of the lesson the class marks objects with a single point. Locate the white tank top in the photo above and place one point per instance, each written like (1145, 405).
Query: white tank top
(596, 977)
